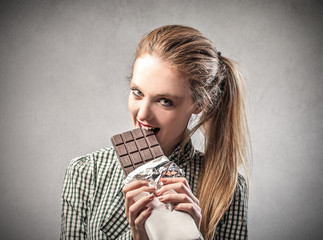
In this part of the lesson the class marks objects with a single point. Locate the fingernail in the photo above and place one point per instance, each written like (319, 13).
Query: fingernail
(160, 198)
(149, 210)
(151, 197)
(158, 192)
(164, 180)
(144, 183)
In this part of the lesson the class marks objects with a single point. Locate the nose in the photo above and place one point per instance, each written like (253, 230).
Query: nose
(145, 112)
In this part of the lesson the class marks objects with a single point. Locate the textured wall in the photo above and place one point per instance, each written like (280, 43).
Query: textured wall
(63, 93)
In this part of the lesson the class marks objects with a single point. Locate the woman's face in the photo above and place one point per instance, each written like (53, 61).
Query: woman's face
(160, 99)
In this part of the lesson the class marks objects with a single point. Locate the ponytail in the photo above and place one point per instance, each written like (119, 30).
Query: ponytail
(225, 131)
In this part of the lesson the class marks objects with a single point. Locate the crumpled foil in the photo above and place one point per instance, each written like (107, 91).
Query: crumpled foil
(154, 170)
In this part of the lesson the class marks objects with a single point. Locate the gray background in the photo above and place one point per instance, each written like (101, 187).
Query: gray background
(63, 93)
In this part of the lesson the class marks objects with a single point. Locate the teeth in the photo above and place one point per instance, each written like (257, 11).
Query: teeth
(147, 128)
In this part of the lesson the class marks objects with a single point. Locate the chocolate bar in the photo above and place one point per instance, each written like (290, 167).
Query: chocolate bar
(135, 148)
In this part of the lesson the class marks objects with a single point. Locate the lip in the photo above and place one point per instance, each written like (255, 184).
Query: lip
(154, 129)
(145, 125)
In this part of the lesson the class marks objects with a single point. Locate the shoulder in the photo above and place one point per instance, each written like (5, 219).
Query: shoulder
(99, 160)
(240, 198)
(91, 158)
(241, 191)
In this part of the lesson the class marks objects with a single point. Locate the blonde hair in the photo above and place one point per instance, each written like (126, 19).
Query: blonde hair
(217, 88)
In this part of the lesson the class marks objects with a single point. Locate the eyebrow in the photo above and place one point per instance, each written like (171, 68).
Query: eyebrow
(167, 95)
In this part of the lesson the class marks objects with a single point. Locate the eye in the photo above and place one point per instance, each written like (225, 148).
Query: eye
(166, 102)
(136, 92)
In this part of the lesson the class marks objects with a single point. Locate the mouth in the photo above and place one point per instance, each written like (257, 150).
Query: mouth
(148, 127)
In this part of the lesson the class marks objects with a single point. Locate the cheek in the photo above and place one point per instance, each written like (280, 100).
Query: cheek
(182, 121)
(175, 120)
(183, 118)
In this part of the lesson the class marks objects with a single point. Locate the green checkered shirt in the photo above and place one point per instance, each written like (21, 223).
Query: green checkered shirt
(93, 203)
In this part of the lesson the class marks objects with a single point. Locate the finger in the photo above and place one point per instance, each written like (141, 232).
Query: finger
(191, 209)
(175, 198)
(130, 195)
(179, 187)
(139, 206)
(167, 181)
(142, 217)
(188, 207)
(133, 185)
(182, 180)
(133, 193)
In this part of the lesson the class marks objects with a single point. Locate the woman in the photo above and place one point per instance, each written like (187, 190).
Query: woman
(177, 73)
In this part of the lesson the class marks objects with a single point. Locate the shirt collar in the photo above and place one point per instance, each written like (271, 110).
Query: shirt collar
(181, 156)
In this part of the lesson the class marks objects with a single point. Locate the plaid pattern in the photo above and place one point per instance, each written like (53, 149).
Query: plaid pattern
(93, 203)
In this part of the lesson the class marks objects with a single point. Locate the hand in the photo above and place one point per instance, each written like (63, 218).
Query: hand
(184, 200)
(137, 211)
